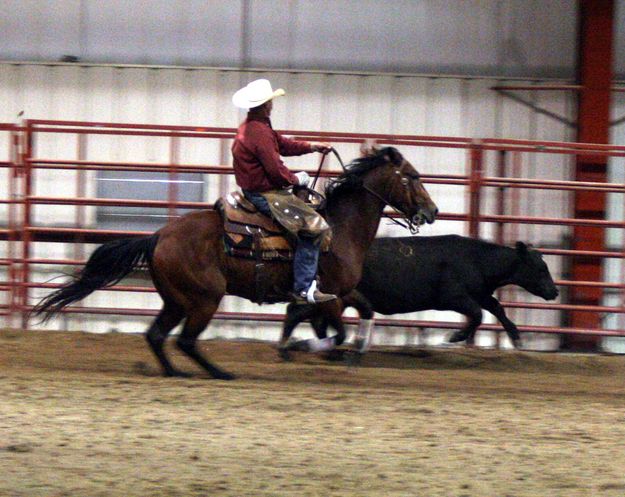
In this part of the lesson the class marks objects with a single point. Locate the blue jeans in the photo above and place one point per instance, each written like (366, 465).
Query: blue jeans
(306, 257)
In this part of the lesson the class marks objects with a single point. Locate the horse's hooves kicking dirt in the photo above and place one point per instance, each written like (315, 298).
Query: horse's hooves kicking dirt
(334, 355)
(223, 375)
(178, 374)
(353, 359)
(283, 353)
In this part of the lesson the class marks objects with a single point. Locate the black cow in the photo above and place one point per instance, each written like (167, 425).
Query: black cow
(448, 272)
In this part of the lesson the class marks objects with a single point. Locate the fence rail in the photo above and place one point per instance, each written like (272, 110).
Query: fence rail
(24, 163)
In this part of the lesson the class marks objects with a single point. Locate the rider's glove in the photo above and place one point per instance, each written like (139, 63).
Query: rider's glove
(324, 148)
(302, 178)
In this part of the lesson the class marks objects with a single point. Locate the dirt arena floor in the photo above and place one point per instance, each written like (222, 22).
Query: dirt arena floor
(85, 415)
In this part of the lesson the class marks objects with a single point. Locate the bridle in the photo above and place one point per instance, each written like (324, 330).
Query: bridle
(407, 223)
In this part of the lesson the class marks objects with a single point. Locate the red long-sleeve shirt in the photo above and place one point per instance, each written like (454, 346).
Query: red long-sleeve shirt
(257, 149)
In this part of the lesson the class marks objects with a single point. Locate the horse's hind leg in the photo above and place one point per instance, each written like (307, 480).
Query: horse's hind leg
(157, 333)
(332, 315)
(187, 341)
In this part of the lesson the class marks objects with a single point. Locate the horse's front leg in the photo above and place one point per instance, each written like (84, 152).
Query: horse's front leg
(295, 314)
(362, 339)
(321, 315)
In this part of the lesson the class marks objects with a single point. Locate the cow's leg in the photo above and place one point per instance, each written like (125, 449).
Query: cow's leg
(453, 296)
(492, 305)
(472, 310)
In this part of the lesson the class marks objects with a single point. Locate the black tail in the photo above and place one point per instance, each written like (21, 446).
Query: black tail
(106, 267)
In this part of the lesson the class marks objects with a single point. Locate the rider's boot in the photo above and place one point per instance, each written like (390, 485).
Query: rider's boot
(313, 295)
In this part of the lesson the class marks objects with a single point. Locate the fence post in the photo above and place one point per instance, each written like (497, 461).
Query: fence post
(475, 185)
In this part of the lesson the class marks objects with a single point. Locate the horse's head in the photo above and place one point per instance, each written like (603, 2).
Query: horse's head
(398, 184)
(532, 273)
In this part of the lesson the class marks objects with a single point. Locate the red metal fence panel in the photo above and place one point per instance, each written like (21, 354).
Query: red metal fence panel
(492, 172)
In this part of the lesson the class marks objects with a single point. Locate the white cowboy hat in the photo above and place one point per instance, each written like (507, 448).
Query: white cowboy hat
(255, 93)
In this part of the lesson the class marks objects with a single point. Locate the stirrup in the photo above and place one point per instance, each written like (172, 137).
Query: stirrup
(313, 296)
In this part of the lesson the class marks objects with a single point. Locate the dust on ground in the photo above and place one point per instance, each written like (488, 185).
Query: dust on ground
(90, 415)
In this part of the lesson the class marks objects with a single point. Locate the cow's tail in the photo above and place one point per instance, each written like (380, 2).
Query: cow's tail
(106, 267)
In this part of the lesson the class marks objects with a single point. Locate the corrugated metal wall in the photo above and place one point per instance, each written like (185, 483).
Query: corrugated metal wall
(315, 101)
(532, 38)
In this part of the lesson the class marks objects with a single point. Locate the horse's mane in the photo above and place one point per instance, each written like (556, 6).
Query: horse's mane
(352, 176)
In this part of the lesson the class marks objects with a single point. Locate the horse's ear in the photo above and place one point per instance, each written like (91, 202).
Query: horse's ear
(521, 248)
(368, 147)
(394, 156)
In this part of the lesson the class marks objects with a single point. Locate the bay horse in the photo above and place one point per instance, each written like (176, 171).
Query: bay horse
(191, 271)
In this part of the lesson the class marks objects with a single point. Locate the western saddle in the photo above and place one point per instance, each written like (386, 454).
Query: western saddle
(251, 234)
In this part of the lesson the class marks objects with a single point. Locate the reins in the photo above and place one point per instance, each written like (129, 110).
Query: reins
(408, 224)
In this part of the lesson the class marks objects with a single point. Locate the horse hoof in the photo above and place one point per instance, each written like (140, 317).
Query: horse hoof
(177, 374)
(457, 337)
(334, 355)
(284, 354)
(223, 375)
(353, 359)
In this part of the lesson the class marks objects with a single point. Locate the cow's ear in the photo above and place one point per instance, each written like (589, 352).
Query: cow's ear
(521, 248)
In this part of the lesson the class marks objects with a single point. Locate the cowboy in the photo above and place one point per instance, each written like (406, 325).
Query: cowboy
(267, 183)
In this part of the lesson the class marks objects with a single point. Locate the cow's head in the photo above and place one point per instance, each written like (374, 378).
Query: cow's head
(532, 274)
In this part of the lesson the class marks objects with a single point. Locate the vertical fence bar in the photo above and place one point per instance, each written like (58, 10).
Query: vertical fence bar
(81, 180)
(81, 192)
(475, 185)
(13, 276)
(621, 317)
(501, 210)
(172, 184)
(224, 158)
(476, 155)
(28, 184)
